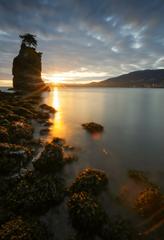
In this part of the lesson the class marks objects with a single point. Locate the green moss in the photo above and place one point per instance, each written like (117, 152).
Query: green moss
(51, 159)
(89, 180)
(85, 212)
(19, 228)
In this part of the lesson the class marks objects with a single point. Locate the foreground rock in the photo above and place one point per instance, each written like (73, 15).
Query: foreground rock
(13, 157)
(19, 228)
(89, 180)
(86, 213)
(51, 159)
(93, 127)
(35, 193)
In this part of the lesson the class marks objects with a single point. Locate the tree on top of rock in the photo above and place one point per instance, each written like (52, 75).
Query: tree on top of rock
(29, 40)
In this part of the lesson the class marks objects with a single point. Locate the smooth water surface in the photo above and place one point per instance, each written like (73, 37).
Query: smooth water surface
(133, 121)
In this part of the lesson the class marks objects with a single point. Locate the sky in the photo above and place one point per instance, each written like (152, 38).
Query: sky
(84, 40)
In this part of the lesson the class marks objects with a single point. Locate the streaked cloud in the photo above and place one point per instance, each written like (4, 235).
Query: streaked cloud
(102, 37)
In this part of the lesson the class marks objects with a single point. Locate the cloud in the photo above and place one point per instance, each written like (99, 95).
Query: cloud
(110, 36)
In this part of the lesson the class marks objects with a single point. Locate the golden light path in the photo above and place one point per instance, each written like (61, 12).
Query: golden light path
(58, 128)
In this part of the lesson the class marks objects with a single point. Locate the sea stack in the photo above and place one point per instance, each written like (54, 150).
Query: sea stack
(27, 66)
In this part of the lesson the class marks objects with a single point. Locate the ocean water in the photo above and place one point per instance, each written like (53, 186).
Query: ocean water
(133, 138)
(133, 121)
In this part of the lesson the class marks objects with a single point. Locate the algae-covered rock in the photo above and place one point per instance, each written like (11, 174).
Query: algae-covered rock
(93, 127)
(23, 229)
(13, 157)
(51, 159)
(35, 193)
(149, 201)
(85, 212)
(89, 180)
(4, 136)
(47, 108)
(19, 130)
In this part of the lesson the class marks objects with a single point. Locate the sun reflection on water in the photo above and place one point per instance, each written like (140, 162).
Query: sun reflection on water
(58, 127)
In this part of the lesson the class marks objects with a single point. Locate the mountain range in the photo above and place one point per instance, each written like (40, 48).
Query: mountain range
(142, 78)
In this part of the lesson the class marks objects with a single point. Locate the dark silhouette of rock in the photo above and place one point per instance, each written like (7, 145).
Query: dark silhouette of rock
(27, 67)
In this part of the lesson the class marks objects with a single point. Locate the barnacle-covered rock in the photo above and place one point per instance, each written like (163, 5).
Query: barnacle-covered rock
(19, 228)
(13, 157)
(85, 212)
(19, 130)
(89, 180)
(149, 201)
(58, 141)
(47, 108)
(4, 136)
(93, 127)
(23, 112)
(35, 192)
(51, 159)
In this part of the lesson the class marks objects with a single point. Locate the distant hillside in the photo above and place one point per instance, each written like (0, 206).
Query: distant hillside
(144, 78)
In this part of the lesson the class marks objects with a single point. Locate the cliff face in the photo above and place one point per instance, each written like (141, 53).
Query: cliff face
(27, 69)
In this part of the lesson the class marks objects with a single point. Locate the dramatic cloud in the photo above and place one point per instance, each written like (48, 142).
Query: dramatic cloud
(85, 39)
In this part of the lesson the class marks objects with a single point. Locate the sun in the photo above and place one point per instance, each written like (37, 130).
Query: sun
(54, 78)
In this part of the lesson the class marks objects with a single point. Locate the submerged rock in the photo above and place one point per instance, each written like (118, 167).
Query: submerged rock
(149, 201)
(89, 180)
(93, 127)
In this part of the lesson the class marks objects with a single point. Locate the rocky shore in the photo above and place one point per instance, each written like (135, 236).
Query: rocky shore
(32, 180)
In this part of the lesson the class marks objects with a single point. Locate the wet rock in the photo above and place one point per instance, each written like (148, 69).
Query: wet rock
(149, 201)
(13, 157)
(44, 131)
(89, 180)
(93, 127)
(23, 112)
(48, 124)
(47, 108)
(69, 158)
(42, 116)
(86, 213)
(4, 136)
(35, 193)
(51, 159)
(20, 130)
(58, 141)
(23, 229)
(68, 147)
